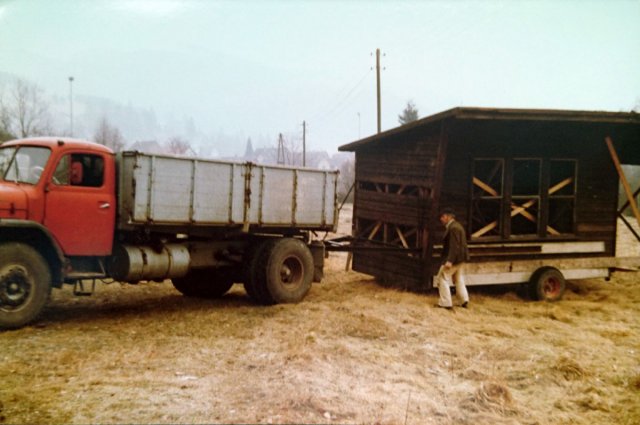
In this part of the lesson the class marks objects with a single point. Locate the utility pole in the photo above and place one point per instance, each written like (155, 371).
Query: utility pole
(304, 143)
(71, 106)
(378, 86)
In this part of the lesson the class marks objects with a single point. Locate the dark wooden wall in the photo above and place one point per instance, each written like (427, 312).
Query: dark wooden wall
(418, 158)
(597, 181)
(395, 185)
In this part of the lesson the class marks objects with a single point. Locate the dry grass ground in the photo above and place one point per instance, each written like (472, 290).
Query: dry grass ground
(352, 352)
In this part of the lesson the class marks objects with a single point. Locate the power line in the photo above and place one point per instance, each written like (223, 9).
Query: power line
(342, 101)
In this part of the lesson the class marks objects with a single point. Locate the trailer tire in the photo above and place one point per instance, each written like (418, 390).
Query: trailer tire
(204, 283)
(25, 284)
(547, 284)
(285, 271)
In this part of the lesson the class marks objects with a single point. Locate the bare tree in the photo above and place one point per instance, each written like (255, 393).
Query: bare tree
(177, 145)
(346, 180)
(108, 135)
(5, 122)
(4, 136)
(23, 111)
(291, 150)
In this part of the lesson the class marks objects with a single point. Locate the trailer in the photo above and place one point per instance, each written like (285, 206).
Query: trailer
(72, 212)
(536, 190)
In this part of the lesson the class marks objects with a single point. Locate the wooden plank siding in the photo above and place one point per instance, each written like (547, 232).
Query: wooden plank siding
(407, 165)
(391, 269)
(391, 208)
(403, 162)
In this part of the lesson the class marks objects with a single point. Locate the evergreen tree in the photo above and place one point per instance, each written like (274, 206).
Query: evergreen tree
(409, 114)
(248, 152)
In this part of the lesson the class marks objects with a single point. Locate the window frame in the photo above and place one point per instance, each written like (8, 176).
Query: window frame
(543, 199)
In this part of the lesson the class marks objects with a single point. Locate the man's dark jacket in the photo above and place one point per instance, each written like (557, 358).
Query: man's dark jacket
(455, 244)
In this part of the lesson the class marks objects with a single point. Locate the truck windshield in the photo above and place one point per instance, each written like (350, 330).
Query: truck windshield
(24, 164)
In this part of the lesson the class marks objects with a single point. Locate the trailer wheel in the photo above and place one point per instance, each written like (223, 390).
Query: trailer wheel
(25, 284)
(285, 271)
(204, 283)
(547, 284)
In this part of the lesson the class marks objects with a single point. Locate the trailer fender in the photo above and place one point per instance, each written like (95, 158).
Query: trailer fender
(40, 239)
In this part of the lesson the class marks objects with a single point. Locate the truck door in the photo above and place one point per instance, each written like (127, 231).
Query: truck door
(80, 204)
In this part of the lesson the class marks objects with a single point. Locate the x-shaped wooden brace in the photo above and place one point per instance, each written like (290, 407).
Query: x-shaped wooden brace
(517, 209)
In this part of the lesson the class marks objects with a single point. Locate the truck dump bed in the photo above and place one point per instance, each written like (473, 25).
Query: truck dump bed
(161, 190)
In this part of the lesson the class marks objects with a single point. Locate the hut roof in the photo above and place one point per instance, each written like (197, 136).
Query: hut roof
(496, 114)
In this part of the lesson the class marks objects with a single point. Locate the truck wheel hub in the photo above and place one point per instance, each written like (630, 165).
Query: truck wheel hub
(291, 271)
(15, 287)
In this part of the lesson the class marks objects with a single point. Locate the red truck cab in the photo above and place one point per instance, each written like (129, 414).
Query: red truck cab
(65, 185)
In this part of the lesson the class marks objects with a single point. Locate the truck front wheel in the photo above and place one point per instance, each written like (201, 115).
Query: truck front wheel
(25, 284)
(284, 271)
(204, 283)
(547, 284)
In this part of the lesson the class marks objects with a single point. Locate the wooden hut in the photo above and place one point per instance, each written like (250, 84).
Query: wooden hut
(528, 185)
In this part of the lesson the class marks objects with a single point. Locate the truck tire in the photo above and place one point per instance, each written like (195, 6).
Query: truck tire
(25, 284)
(204, 283)
(255, 270)
(547, 284)
(284, 271)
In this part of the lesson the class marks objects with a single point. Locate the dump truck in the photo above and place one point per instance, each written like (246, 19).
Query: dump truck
(73, 212)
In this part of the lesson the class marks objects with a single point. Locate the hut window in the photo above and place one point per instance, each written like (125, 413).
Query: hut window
(525, 197)
(562, 196)
(535, 209)
(487, 193)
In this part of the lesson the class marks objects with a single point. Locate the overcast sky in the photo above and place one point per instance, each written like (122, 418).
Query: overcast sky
(262, 67)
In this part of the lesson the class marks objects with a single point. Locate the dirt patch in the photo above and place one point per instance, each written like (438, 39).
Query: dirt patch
(352, 352)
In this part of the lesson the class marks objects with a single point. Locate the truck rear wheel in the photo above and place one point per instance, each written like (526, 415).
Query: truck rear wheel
(255, 270)
(25, 284)
(204, 283)
(547, 284)
(284, 271)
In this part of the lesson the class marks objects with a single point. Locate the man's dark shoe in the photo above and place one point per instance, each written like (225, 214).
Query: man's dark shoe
(465, 304)
(445, 307)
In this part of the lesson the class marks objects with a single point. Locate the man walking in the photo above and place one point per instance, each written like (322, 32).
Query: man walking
(454, 255)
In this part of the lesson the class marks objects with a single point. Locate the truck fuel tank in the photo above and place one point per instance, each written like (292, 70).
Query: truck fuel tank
(132, 263)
